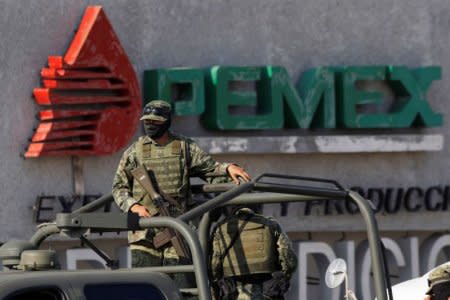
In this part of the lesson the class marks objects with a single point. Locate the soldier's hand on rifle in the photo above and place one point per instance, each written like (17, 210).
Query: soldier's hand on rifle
(235, 172)
(140, 210)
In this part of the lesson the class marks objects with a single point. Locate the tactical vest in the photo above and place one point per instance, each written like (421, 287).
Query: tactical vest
(167, 165)
(248, 247)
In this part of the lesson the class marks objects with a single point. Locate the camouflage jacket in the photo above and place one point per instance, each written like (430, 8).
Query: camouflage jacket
(200, 165)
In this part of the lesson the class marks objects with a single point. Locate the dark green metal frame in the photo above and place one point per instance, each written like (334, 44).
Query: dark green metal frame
(230, 195)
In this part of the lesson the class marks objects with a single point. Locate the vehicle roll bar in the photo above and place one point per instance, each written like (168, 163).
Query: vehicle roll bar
(232, 195)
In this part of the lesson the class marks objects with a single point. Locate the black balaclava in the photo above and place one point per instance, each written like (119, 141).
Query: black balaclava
(156, 131)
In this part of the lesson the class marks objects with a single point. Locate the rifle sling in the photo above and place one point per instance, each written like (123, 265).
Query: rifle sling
(148, 186)
(233, 240)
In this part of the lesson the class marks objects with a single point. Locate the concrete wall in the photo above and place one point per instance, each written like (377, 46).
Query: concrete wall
(193, 33)
(161, 34)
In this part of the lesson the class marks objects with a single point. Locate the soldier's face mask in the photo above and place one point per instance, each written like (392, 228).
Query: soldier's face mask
(155, 129)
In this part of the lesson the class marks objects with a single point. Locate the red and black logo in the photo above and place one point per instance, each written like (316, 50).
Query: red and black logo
(89, 99)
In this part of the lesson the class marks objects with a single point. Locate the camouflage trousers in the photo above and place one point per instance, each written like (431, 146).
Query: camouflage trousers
(249, 291)
(142, 256)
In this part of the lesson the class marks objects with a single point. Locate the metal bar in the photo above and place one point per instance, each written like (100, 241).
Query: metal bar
(300, 178)
(211, 188)
(98, 222)
(289, 189)
(190, 291)
(222, 198)
(43, 232)
(171, 269)
(374, 244)
(113, 264)
(270, 198)
(203, 232)
(201, 275)
(223, 187)
(94, 205)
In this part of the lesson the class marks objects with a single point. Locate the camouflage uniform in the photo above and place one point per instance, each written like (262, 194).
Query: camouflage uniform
(249, 283)
(173, 164)
(439, 282)
(124, 186)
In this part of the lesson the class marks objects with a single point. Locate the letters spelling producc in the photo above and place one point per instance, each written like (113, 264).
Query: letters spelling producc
(387, 200)
(325, 97)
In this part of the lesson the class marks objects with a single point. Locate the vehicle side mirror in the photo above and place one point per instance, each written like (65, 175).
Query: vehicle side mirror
(336, 274)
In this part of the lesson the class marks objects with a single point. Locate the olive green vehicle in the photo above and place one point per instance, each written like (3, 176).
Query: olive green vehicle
(32, 273)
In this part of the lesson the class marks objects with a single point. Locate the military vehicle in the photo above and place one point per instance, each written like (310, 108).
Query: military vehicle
(32, 273)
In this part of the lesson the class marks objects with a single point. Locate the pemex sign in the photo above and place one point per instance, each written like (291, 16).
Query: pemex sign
(324, 97)
(90, 97)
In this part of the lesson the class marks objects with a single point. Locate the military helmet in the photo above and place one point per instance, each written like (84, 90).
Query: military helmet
(157, 110)
(439, 275)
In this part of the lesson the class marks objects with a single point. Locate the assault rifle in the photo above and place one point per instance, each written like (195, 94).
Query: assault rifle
(167, 235)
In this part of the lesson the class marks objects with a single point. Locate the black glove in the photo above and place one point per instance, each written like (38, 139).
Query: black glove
(277, 286)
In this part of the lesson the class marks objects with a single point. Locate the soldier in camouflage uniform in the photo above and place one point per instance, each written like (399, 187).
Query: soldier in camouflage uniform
(439, 283)
(173, 159)
(252, 258)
